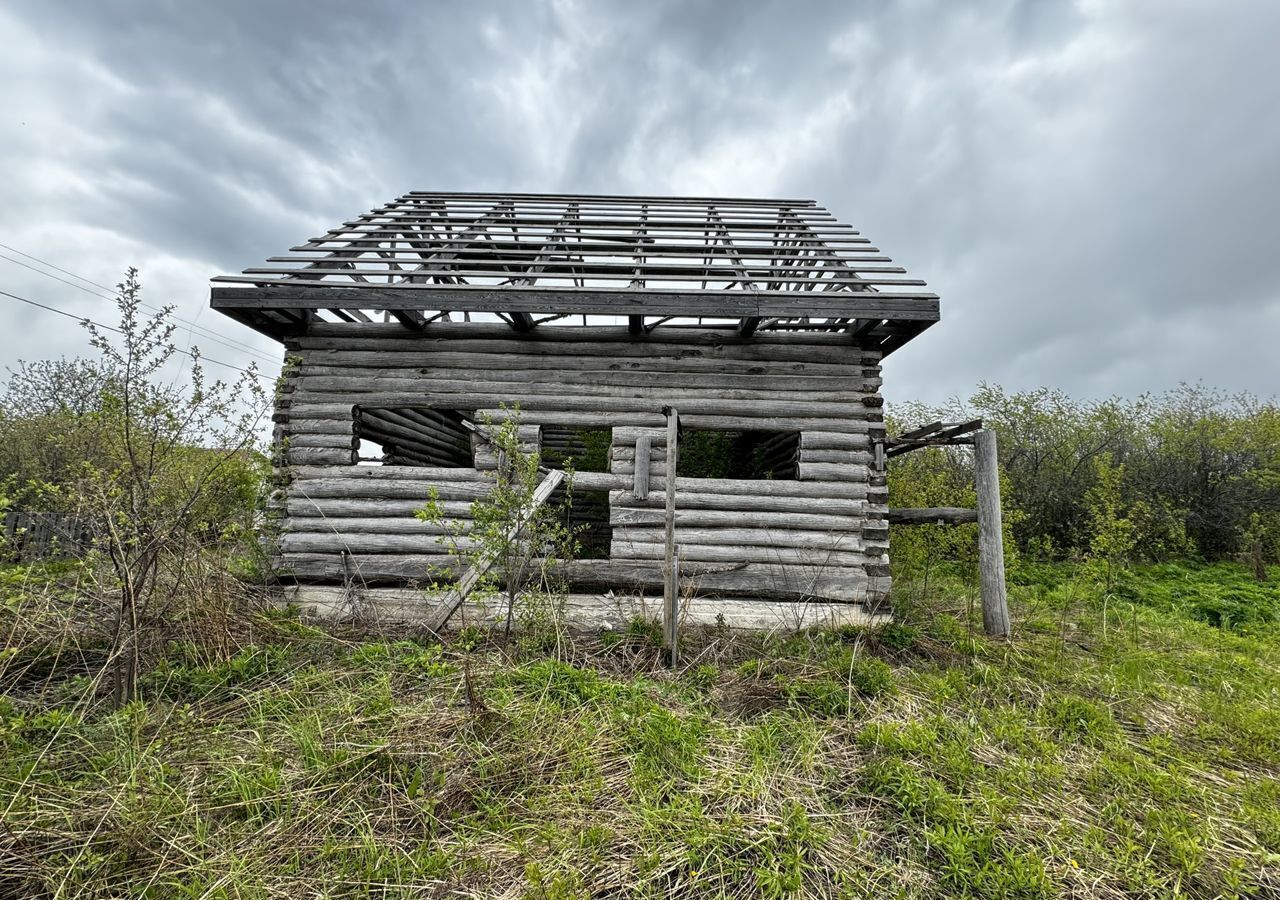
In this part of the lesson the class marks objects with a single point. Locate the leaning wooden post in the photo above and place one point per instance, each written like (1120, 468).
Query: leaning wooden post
(671, 572)
(995, 601)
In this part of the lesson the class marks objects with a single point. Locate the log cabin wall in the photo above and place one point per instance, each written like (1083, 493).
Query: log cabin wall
(822, 535)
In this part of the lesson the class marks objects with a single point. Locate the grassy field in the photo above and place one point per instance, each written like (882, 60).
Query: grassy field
(1136, 756)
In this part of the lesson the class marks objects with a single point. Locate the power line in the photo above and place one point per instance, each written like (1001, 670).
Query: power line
(204, 332)
(63, 312)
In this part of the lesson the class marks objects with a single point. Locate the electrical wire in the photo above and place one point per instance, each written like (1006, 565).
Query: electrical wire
(70, 315)
(203, 332)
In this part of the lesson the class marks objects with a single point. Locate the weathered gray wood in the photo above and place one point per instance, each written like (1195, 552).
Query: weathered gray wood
(333, 541)
(410, 391)
(369, 508)
(846, 541)
(597, 611)
(370, 525)
(671, 584)
(703, 421)
(282, 294)
(348, 335)
(995, 601)
(834, 471)
(418, 491)
(939, 515)
(361, 349)
(733, 554)
(757, 580)
(324, 441)
(319, 456)
(833, 440)
(710, 518)
(641, 488)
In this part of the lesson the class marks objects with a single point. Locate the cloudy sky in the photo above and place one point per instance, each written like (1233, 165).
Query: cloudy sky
(1093, 188)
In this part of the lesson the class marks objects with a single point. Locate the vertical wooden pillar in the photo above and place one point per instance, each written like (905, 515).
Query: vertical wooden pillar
(995, 601)
(671, 572)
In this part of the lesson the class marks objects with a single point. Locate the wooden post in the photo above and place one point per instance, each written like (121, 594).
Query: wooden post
(640, 479)
(995, 601)
(671, 573)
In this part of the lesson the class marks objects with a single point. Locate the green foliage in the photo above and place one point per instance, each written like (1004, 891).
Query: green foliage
(1071, 762)
(1188, 473)
(522, 546)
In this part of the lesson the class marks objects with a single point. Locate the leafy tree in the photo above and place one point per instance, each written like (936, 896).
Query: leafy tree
(165, 471)
(521, 559)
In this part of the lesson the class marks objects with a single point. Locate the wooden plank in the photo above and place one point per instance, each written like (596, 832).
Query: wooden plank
(641, 479)
(285, 295)
(938, 515)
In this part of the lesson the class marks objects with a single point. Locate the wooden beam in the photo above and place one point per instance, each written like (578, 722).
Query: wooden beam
(938, 515)
(919, 307)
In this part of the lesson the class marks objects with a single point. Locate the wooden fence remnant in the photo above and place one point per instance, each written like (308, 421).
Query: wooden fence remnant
(995, 601)
(671, 582)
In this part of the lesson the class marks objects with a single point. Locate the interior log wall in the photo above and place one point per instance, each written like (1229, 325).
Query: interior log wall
(823, 535)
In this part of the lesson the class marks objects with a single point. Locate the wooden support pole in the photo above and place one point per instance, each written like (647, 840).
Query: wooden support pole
(995, 601)
(641, 478)
(671, 570)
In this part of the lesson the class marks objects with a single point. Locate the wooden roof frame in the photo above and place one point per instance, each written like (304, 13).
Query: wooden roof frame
(778, 265)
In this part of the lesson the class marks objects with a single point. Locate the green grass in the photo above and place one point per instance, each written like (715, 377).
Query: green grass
(1136, 756)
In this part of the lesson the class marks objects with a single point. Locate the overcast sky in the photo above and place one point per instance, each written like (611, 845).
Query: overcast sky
(1092, 188)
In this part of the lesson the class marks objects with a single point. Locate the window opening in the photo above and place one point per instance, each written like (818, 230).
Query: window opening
(413, 436)
(587, 448)
(587, 518)
(747, 455)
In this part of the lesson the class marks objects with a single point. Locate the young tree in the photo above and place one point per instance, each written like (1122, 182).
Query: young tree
(175, 472)
(517, 540)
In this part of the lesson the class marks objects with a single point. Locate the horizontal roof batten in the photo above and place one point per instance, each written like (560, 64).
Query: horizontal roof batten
(884, 305)
(697, 227)
(636, 198)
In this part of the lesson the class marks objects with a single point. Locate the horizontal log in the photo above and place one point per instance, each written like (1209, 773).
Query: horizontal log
(333, 424)
(845, 456)
(453, 393)
(449, 360)
(323, 441)
(357, 489)
(308, 456)
(938, 515)
(389, 473)
(370, 525)
(815, 439)
(834, 472)
(361, 508)
(743, 538)
(852, 505)
(756, 580)
(689, 518)
(694, 420)
(355, 542)
(343, 352)
(570, 401)
(777, 555)
(919, 306)
(589, 611)
(393, 336)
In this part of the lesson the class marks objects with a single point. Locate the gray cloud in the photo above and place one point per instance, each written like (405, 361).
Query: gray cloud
(1091, 187)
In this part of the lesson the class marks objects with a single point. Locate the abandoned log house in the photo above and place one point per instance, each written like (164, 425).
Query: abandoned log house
(762, 324)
